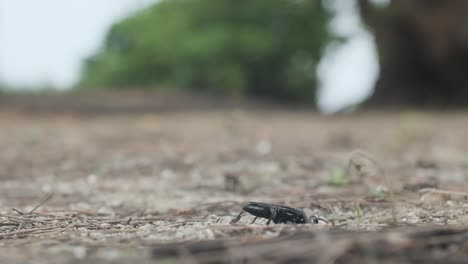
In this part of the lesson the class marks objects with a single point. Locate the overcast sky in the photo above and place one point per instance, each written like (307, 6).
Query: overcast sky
(45, 41)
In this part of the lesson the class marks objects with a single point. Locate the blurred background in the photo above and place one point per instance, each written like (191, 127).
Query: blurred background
(329, 54)
(191, 108)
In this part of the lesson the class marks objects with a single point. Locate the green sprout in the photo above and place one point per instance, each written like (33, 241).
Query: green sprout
(337, 177)
(379, 192)
(34, 136)
(465, 160)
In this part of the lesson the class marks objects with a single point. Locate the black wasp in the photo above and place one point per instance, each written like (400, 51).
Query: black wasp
(278, 214)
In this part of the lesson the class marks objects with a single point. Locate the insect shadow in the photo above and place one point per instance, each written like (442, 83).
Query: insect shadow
(278, 214)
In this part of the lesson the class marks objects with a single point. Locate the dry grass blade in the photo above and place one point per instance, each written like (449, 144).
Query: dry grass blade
(34, 231)
(23, 219)
(47, 198)
(364, 163)
(439, 191)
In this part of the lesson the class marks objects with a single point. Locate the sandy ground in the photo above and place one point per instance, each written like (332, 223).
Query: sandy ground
(125, 186)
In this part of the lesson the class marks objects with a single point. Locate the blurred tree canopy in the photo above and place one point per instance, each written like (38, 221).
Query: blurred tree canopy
(263, 47)
(423, 52)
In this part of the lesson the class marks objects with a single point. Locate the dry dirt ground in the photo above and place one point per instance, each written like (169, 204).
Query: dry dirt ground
(163, 188)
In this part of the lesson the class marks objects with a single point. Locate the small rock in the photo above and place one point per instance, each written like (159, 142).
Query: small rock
(263, 147)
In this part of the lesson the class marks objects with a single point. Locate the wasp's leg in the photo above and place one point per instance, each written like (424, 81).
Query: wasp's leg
(253, 221)
(315, 220)
(321, 219)
(273, 216)
(238, 217)
(312, 219)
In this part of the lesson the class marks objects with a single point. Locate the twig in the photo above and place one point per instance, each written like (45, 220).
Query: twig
(31, 231)
(9, 224)
(25, 219)
(18, 211)
(52, 212)
(20, 226)
(41, 203)
(438, 191)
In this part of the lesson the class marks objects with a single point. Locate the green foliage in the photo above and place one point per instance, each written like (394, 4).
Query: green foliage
(34, 136)
(465, 160)
(379, 192)
(337, 177)
(262, 47)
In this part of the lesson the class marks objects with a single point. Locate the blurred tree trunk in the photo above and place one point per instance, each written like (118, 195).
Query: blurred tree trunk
(423, 52)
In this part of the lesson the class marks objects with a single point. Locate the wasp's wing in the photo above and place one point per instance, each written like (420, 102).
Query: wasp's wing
(259, 209)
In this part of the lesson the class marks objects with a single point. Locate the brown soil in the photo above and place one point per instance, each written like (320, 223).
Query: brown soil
(145, 187)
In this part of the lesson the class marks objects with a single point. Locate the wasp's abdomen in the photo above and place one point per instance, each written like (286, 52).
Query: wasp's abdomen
(258, 210)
